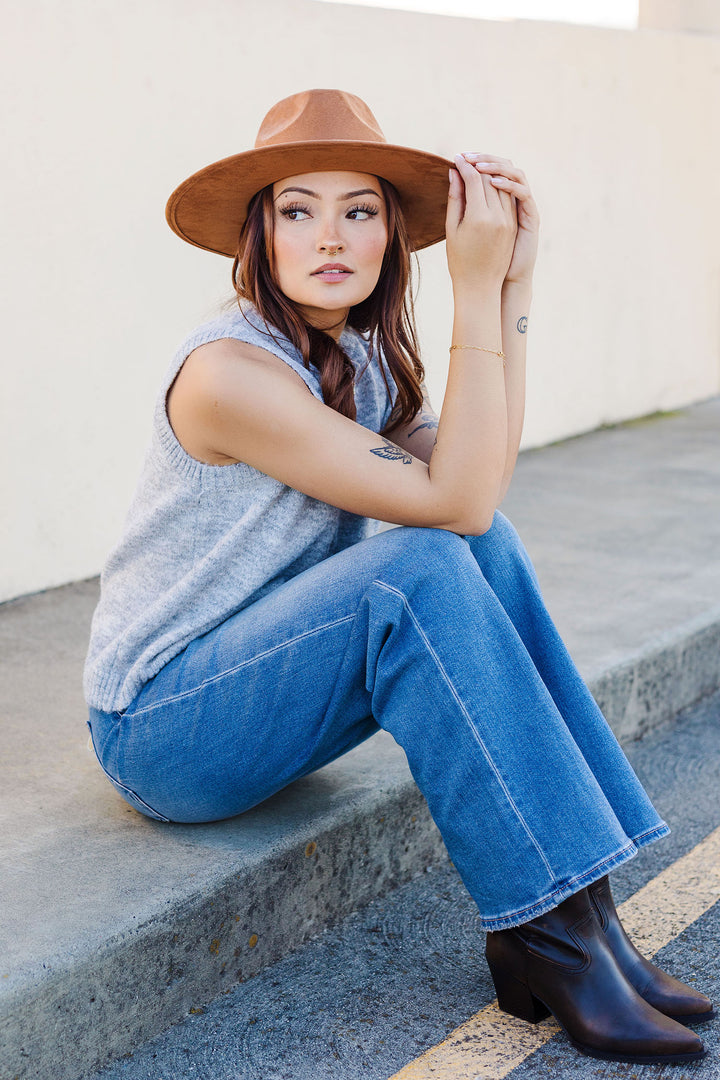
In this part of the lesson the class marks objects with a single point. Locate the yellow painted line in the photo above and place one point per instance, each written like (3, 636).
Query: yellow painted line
(666, 906)
(491, 1043)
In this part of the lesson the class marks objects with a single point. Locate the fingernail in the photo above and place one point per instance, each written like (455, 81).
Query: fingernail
(450, 175)
(459, 159)
(470, 155)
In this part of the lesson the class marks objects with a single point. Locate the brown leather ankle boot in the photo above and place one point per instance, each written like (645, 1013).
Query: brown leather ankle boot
(665, 993)
(561, 963)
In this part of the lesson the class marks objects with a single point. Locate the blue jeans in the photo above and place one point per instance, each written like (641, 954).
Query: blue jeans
(445, 642)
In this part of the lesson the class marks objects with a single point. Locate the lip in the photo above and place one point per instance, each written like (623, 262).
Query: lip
(332, 271)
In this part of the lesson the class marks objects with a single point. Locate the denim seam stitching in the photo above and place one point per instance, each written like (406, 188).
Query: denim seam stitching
(471, 725)
(629, 847)
(118, 783)
(231, 671)
(551, 899)
(649, 832)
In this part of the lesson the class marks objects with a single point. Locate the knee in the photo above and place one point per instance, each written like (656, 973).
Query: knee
(502, 533)
(418, 554)
(430, 545)
(501, 544)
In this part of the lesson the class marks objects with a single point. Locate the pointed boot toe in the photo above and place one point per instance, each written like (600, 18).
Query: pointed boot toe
(664, 992)
(670, 996)
(562, 963)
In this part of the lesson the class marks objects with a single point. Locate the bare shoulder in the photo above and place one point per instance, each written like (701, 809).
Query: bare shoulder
(229, 358)
(227, 382)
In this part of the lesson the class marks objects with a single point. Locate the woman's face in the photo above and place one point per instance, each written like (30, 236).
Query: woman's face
(330, 234)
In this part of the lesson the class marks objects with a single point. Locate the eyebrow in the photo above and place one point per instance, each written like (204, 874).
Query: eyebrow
(341, 198)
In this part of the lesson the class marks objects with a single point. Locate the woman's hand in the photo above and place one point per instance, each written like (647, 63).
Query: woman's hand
(506, 177)
(481, 227)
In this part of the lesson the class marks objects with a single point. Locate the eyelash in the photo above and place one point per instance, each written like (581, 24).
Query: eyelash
(295, 208)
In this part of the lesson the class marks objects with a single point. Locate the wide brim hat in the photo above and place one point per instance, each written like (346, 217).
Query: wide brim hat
(312, 131)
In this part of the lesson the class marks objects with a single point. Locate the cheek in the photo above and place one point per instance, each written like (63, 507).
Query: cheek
(284, 252)
(374, 247)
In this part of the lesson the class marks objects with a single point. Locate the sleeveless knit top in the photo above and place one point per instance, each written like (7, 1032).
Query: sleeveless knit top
(202, 542)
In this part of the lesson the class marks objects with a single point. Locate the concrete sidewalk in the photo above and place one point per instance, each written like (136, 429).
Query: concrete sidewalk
(115, 926)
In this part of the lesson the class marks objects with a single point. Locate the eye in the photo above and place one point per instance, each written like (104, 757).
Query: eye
(293, 211)
(362, 213)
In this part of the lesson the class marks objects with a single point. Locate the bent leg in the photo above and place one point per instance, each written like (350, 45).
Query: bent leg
(260, 700)
(523, 815)
(402, 630)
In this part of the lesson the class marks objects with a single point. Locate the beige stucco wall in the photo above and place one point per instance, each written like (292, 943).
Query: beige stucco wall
(700, 16)
(111, 104)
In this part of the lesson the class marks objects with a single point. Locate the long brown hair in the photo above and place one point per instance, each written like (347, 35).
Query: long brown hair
(386, 316)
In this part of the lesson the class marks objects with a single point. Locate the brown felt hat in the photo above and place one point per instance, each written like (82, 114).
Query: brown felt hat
(312, 131)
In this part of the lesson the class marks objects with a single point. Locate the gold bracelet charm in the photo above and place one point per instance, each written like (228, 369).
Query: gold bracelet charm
(481, 348)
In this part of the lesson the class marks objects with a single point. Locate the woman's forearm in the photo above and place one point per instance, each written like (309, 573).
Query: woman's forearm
(491, 245)
(516, 299)
(468, 463)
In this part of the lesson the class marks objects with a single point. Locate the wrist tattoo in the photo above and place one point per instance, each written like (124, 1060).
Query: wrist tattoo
(522, 324)
(391, 452)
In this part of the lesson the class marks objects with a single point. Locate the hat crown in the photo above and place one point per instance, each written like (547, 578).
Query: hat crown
(317, 116)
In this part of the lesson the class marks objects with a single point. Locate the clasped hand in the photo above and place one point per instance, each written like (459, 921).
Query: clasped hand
(492, 223)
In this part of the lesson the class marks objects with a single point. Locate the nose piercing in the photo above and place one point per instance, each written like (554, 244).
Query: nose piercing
(333, 252)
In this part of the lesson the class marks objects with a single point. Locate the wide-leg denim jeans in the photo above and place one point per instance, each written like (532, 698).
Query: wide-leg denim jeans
(445, 642)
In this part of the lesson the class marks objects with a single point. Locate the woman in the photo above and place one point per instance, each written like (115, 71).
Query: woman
(254, 624)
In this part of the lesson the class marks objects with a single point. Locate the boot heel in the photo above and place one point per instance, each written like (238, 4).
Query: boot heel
(515, 997)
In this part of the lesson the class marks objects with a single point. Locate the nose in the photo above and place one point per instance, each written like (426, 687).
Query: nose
(329, 243)
(331, 249)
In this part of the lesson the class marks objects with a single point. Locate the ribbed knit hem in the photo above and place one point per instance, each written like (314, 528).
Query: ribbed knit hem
(107, 694)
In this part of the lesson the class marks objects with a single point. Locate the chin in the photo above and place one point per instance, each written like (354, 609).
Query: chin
(341, 301)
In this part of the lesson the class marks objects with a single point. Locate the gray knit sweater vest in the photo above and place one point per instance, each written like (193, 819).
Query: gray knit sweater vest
(201, 542)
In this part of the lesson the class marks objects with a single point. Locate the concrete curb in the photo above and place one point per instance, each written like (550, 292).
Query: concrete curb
(668, 675)
(104, 1001)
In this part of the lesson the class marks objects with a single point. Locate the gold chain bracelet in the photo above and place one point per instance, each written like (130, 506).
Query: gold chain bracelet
(481, 348)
